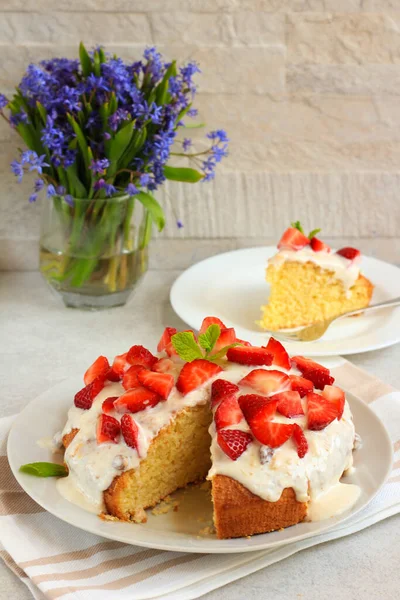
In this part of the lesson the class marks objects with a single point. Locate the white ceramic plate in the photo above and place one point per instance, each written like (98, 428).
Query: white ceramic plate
(232, 286)
(179, 531)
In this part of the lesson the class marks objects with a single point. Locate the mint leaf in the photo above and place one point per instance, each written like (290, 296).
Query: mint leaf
(297, 225)
(313, 233)
(186, 346)
(208, 339)
(44, 469)
(221, 353)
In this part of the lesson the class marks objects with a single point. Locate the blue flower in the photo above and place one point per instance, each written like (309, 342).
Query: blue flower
(186, 144)
(131, 189)
(51, 190)
(219, 152)
(69, 200)
(99, 184)
(219, 134)
(154, 65)
(99, 167)
(37, 163)
(33, 198)
(116, 118)
(69, 158)
(145, 179)
(20, 117)
(156, 113)
(60, 189)
(192, 112)
(110, 189)
(3, 101)
(179, 224)
(39, 184)
(52, 137)
(107, 136)
(18, 170)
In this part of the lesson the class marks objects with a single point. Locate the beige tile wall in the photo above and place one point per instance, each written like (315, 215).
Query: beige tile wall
(309, 91)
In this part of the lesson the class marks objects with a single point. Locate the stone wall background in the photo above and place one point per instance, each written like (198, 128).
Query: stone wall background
(308, 90)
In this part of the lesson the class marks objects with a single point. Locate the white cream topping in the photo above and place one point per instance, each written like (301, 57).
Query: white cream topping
(345, 270)
(93, 466)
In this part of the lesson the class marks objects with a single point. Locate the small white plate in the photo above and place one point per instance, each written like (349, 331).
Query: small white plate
(232, 286)
(179, 531)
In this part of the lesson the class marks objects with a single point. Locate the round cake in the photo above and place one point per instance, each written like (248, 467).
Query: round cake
(271, 433)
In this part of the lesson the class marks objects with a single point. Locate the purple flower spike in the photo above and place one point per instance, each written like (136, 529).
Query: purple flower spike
(179, 224)
(99, 167)
(186, 144)
(32, 198)
(3, 101)
(51, 190)
(18, 170)
(131, 189)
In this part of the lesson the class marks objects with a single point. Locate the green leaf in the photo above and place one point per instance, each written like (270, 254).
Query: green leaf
(162, 88)
(96, 64)
(313, 233)
(75, 186)
(102, 56)
(119, 143)
(207, 340)
(135, 145)
(85, 60)
(183, 113)
(297, 225)
(153, 207)
(82, 142)
(28, 135)
(145, 234)
(194, 125)
(186, 346)
(113, 103)
(221, 353)
(44, 469)
(42, 111)
(182, 174)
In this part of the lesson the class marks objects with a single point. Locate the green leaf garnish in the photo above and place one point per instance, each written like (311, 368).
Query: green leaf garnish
(44, 469)
(297, 225)
(313, 233)
(184, 174)
(208, 339)
(221, 353)
(186, 346)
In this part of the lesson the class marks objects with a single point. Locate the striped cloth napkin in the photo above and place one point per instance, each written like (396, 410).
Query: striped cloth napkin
(56, 560)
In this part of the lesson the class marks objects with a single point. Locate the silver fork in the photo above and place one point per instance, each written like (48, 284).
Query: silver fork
(316, 330)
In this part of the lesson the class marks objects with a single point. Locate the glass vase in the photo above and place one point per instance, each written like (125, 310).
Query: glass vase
(93, 253)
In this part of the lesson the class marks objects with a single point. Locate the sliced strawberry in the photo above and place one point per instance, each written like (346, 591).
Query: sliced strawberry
(301, 385)
(266, 382)
(300, 440)
(226, 338)
(84, 398)
(195, 374)
(130, 379)
(139, 355)
(321, 411)
(272, 434)
(228, 413)
(319, 246)
(135, 400)
(107, 430)
(220, 389)
(233, 442)
(293, 239)
(165, 342)
(336, 395)
(242, 342)
(350, 253)
(249, 355)
(257, 408)
(120, 364)
(113, 376)
(108, 404)
(164, 365)
(280, 356)
(305, 364)
(211, 321)
(319, 377)
(99, 368)
(130, 432)
(160, 383)
(289, 404)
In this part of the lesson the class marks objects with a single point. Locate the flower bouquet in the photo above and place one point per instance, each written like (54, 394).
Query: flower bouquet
(99, 133)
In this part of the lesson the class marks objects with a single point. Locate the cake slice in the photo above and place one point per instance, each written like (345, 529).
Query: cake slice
(310, 282)
(272, 434)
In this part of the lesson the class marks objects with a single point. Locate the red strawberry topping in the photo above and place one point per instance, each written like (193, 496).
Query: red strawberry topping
(320, 378)
(242, 342)
(336, 395)
(108, 429)
(321, 411)
(120, 364)
(220, 389)
(136, 400)
(130, 432)
(165, 341)
(108, 404)
(211, 321)
(195, 374)
(249, 355)
(266, 382)
(273, 434)
(301, 385)
(233, 442)
(349, 253)
(226, 338)
(319, 246)
(289, 404)
(300, 440)
(84, 398)
(130, 379)
(257, 408)
(139, 355)
(228, 413)
(160, 383)
(280, 356)
(164, 365)
(293, 239)
(113, 375)
(99, 368)
(306, 364)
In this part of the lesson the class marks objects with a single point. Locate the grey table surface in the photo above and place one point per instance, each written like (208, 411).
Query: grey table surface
(43, 343)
